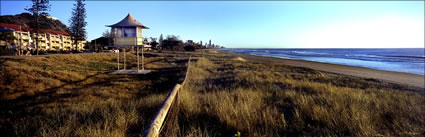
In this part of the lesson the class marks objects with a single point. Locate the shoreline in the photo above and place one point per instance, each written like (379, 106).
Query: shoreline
(404, 78)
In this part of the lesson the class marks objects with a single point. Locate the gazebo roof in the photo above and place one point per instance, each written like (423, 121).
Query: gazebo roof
(129, 21)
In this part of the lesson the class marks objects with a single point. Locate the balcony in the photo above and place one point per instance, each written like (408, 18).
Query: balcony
(23, 37)
(128, 41)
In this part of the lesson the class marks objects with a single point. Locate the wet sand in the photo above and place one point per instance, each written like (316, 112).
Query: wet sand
(408, 79)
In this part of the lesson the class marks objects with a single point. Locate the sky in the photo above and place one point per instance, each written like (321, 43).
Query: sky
(259, 24)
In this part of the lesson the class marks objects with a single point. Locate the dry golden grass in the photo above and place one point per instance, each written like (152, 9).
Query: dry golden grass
(227, 97)
(72, 95)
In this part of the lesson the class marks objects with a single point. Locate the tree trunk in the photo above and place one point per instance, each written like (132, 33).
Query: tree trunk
(38, 32)
(76, 44)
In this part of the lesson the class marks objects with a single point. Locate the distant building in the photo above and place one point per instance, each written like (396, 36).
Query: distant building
(47, 39)
(52, 18)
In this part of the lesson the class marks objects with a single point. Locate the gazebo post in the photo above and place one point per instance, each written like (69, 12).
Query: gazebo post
(124, 58)
(118, 62)
(143, 58)
(138, 62)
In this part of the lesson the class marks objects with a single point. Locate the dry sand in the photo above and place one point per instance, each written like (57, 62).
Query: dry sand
(388, 76)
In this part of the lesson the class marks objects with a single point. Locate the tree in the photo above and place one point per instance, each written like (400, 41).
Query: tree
(109, 35)
(189, 48)
(38, 9)
(160, 40)
(153, 43)
(78, 23)
(172, 43)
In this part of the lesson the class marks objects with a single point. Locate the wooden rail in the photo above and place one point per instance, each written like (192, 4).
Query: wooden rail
(156, 124)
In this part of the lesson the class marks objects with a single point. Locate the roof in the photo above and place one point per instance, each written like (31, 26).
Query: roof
(128, 21)
(4, 29)
(56, 32)
(15, 27)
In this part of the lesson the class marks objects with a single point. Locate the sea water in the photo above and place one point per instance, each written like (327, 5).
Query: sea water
(410, 60)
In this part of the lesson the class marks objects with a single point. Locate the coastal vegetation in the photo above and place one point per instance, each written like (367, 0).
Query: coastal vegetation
(224, 95)
(73, 95)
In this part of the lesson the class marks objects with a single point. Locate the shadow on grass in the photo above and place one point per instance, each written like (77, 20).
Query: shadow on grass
(48, 96)
(161, 81)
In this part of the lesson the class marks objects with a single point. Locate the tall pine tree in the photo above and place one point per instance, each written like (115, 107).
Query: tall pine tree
(38, 9)
(78, 23)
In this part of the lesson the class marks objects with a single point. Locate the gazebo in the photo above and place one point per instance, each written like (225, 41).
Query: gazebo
(128, 34)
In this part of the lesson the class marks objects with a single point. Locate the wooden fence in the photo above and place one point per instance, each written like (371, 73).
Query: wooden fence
(156, 124)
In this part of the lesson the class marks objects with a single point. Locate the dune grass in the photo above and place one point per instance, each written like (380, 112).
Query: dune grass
(228, 96)
(73, 95)
(225, 95)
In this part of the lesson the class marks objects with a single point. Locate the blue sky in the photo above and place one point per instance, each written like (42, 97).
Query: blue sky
(256, 24)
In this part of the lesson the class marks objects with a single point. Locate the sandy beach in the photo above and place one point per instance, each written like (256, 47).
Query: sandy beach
(408, 79)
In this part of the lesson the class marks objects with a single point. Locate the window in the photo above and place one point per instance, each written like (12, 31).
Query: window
(129, 32)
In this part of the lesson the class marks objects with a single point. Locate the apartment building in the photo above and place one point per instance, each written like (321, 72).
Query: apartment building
(47, 39)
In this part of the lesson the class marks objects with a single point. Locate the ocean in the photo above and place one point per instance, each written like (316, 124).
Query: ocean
(410, 60)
